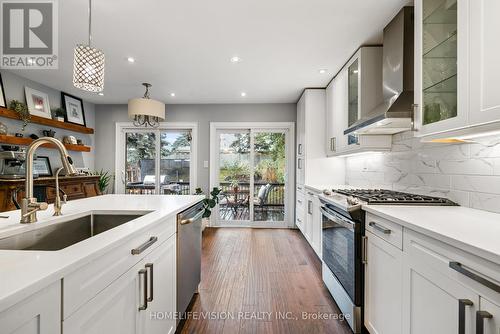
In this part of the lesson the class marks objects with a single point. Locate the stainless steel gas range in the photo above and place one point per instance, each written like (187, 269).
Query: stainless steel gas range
(343, 231)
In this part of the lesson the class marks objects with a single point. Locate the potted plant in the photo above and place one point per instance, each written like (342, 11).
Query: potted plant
(22, 111)
(58, 114)
(105, 179)
(209, 202)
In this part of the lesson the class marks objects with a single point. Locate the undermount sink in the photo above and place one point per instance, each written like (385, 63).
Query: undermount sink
(61, 235)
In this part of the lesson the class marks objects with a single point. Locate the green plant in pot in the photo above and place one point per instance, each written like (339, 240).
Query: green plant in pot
(58, 114)
(22, 111)
(105, 179)
(210, 201)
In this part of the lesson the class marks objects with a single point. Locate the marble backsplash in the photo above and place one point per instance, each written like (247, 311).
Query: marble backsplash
(468, 174)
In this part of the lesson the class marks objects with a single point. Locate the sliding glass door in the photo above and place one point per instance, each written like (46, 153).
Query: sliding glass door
(251, 168)
(154, 161)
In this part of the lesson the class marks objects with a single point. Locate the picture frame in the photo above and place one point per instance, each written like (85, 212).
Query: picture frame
(41, 166)
(3, 100)
(74, 109)
(38, 103)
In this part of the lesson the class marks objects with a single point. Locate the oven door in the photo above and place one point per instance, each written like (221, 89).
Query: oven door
(342, 251)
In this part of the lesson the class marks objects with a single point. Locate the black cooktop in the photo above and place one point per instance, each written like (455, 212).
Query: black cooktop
(382, 196)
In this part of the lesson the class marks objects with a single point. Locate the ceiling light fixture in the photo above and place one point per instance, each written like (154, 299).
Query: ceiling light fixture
(145, 111)
(322, 71)
(235, 59)
(243, 94)
(131, 59)
(88, 64)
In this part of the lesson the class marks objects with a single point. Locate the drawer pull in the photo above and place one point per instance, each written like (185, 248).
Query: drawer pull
(457, 266)
(144, 246)
(144, 272)
(462, 303)
(151, 280)
(380, 228)
(480, 316)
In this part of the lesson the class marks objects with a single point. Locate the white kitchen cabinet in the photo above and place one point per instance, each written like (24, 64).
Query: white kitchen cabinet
(313, 222)
(431, 301)
(162, 273)
(491, 320)
(353, 93)
(126, 306)
(441, 65)
(38, 314)
(383, 288)
(113, 310)
(484, 64)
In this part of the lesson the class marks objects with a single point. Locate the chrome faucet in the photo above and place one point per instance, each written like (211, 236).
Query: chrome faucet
(29, 204)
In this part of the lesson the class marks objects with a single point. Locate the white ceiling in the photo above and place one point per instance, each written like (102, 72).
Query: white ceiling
(184, 46)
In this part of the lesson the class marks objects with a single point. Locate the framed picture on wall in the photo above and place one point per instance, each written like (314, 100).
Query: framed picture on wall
(3, 100)
(41, 166)
(74, 109)
(38, 103)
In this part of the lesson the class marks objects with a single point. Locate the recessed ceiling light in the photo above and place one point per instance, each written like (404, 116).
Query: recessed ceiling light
(131, 60)
(172, 94)
(100, 94)
(235, 59)
(243, 94)
(322, 71)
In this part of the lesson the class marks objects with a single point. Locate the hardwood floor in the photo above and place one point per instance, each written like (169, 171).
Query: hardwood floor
(251, 277)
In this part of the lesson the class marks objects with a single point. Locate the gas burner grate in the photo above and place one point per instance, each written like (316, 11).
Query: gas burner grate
(383, 196)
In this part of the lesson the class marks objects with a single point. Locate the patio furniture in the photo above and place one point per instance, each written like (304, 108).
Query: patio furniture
(261, 198)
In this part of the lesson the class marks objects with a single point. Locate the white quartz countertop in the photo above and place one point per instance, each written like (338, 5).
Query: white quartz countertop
(320, 187)
(22, 273)
(475, 231)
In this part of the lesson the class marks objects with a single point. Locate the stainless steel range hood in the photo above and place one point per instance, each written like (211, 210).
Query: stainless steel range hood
(395, 114)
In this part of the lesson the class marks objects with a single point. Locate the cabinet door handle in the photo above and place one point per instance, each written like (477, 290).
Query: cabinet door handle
(300, 149)
(333, 144)
(480, 316)
(144, 273)
(151, 280)
(299, 163)
(144, 246)
(462, 303)
(309, 207)
(380, 228)
(364, 247)
(299, 201)
(457, 266)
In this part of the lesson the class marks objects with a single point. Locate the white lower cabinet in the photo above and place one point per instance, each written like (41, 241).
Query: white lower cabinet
(37, 314)
(431, 301)
(490, 315)
(383, 288)
(128, 305)
(313, 222)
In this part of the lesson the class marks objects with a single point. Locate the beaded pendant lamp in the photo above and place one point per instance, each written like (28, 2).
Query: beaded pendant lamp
(145, 111)
(88, 64)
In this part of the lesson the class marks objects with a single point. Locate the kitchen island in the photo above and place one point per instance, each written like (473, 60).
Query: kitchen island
(92, 284)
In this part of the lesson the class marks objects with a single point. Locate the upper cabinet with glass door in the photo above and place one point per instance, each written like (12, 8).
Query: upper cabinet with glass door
(441, 76)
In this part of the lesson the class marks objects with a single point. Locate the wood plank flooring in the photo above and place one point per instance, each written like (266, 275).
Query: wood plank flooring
(252, 277)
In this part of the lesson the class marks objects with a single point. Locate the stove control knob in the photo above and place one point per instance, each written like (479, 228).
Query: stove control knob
(352, 201)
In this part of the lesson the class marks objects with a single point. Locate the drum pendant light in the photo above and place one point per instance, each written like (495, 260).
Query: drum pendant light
(145, 111)
(88, 64)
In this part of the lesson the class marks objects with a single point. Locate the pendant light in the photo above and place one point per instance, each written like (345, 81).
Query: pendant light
(145, 111)
(88, 64)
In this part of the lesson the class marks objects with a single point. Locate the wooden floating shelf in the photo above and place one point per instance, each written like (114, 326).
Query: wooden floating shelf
(4, 112)
(12, 140)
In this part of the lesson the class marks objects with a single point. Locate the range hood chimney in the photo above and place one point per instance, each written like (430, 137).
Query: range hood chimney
(395, 114)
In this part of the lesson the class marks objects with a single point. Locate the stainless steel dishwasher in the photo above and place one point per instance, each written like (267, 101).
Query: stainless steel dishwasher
(188, 255)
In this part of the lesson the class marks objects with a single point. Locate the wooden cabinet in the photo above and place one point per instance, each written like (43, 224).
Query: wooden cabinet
(383, 288)
(353, 93)
(38, 314)
(75, 187)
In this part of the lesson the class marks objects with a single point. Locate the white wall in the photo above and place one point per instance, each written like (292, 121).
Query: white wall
(466, 173)
(14, 90)
(203, 114)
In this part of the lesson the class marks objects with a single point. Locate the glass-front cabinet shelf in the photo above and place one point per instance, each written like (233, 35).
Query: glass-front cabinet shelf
(439, 60)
